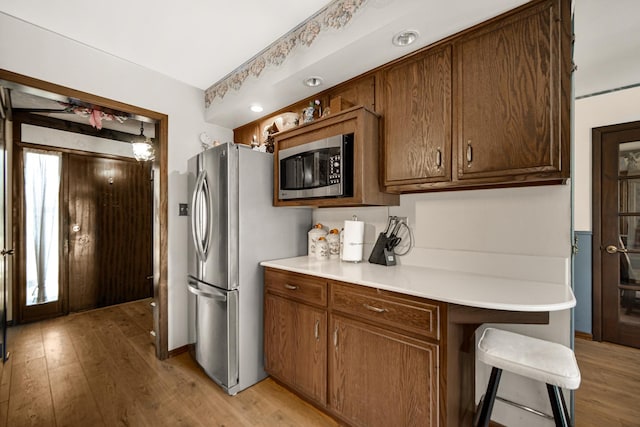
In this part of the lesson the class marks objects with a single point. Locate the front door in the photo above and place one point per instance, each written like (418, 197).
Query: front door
(616, 151)
(110, 226)
(5, 251)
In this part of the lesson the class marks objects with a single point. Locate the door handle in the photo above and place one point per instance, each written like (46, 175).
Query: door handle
(612, 249)
(6, 252)
(195, 216)
(199, 292)
(375, 309)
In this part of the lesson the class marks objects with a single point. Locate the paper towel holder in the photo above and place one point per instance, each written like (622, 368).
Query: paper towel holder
(356, 256)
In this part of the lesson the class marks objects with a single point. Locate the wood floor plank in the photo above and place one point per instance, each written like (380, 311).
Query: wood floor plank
(73, 400)
(58, 348)
(4, 412)
(30, 402)
(5, 380)
(140, 312)
(114, 403)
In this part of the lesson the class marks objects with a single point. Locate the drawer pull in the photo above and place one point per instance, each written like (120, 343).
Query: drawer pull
(291, 287)
(316, 330)
(372, 308)
(438, 158)
(469, 153)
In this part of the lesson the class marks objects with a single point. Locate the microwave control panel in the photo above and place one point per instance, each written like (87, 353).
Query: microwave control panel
(334, 169)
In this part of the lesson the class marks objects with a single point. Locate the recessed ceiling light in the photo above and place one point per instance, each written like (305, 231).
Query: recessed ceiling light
(313, 81)
(405, 38)
(256, 108)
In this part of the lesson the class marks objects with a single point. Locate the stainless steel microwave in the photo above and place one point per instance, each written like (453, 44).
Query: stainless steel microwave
(322, 168)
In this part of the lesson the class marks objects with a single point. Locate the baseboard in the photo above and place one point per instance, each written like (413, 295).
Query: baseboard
(583, 336)
(178, 351)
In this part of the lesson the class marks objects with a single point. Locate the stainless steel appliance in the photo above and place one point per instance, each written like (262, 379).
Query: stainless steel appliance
(233, 226)
(322, 168)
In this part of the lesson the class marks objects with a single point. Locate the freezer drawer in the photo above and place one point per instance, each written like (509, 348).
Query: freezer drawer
(216, 332)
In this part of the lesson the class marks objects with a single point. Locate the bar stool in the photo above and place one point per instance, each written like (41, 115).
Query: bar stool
(551, 363)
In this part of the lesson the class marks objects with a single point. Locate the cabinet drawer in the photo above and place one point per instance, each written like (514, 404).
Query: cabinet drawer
(411, 314)
(296, 286)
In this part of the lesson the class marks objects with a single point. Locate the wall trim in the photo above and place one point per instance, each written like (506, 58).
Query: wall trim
(584, 336)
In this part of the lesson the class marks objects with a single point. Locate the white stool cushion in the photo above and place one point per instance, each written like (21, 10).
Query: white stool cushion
(541, 360)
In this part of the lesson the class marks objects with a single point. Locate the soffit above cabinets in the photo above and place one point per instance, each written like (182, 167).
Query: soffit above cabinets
(203, 43)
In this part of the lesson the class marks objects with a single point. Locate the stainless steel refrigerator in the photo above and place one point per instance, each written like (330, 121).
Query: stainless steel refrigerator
(233, 226)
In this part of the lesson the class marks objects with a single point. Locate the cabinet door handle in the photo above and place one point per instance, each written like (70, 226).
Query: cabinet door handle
(469, 152)
(335, 337)
(316, 330)
(372, 308)
(438, 158)
(291, 287)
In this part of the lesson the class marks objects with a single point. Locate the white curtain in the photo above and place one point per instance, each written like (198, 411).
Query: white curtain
(42, 199)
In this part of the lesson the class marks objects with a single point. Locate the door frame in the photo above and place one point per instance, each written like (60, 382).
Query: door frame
(160, 195)
(597, 136)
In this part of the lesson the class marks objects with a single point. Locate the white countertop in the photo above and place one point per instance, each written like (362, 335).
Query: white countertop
(442, 285)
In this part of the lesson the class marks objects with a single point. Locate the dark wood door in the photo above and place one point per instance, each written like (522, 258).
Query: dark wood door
(110, 228)
(296, 346)
(4, 245)
(617, 234)
(366, 362)
(417, 120)
(508, 96)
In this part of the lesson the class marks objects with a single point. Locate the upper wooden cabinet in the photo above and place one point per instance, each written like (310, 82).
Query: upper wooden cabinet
(508, 92)
(489, 106)
(246, 133)
(417, 119)
(366, 184)
(360, 91)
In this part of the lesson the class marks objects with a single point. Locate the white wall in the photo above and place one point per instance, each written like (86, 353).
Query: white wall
(595, 111)
(32, 51)
(487, 232)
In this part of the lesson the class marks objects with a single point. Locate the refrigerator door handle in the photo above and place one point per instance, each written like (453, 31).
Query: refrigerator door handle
(209, 221)
(196, 216)
(215, 295)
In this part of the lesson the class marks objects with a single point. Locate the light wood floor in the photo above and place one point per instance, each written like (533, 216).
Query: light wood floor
(609, 394)
(98, 369)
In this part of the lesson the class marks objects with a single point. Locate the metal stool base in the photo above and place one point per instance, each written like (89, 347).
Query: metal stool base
(556, 398)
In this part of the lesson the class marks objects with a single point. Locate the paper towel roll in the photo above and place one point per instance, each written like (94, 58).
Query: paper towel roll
(353, 241)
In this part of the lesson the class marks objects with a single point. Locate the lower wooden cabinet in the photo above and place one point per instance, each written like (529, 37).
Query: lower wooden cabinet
(366, 368)
(380, 378)
(296, 345)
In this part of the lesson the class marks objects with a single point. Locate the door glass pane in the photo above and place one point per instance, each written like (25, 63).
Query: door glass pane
(42, 199)
(630, 195)
(629, 238)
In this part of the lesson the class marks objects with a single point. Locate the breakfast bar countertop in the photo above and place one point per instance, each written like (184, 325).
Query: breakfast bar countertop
(468, 289)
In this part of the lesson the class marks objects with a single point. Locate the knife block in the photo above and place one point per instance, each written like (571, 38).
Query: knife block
(380, 254)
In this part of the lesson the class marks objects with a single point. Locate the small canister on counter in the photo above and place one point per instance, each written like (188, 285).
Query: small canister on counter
(333, 239)
(317, 231)
(322, 248)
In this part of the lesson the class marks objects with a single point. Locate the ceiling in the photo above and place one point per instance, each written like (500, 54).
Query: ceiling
(199, 42)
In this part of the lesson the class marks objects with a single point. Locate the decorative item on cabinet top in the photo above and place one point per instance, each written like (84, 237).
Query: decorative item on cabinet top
(362, 126)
